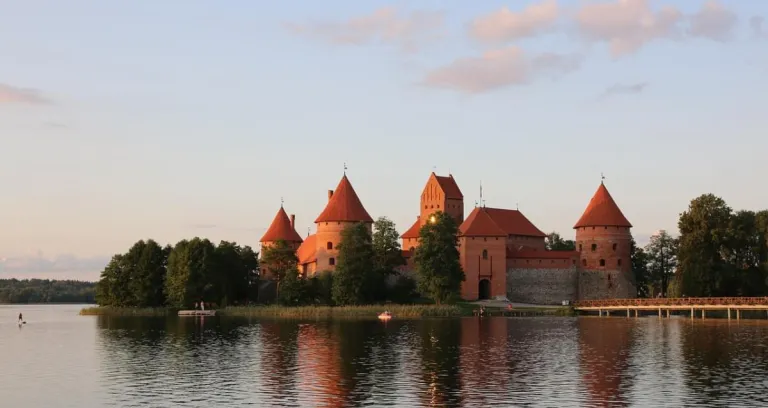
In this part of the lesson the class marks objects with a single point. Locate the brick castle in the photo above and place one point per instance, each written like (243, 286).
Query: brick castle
(501, 251)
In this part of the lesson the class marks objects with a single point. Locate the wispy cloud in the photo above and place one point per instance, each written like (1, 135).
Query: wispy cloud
(622, 89)
(498, 69)
(60, 267)
(385, 25)
(505, 25)
(16, 95)
(627, 25)
(713, 21)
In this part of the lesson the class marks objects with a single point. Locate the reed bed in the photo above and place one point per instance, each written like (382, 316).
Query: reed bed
(127, 311)
(367, 311)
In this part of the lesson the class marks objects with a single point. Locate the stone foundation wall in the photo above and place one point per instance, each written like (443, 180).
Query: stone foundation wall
(606, 285)
(545, 286)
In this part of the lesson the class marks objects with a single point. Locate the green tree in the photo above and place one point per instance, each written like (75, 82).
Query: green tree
(661, 254)
(278, 260)
(191, 276)
(639, 261)
(146, 262)
(437, 259)
(293, 290)
(322, 288)
(354, 267)
(702, 271)
(388, 256)
(238, 272)
(554, 242)
(113, 286)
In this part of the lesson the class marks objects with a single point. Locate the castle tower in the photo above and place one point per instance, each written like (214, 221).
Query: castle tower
(483, 256)
(603, 239)
(343, 209)
(282, 228)
(440, 194)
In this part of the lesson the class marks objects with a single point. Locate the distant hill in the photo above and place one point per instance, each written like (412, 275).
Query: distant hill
(46, 291)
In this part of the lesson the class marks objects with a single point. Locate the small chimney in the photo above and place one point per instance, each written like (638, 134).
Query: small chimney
(293, 221)
(330, 194)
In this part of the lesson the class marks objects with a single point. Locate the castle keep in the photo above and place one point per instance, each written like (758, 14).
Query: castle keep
(501, 251)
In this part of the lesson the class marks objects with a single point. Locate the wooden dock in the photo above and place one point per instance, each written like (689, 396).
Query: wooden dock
(732, 305)
(197, 313)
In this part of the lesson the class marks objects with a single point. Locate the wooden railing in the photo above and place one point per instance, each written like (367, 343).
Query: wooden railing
(686, 301)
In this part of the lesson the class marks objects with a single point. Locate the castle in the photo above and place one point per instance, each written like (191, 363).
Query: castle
(501, 251)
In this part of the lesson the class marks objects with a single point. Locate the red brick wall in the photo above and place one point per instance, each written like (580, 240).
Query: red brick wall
(611, 244)
(494, 268)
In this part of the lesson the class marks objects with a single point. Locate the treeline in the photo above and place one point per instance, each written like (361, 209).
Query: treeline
(191, 271)
(46, 291)
(367, 268)
(720, 252)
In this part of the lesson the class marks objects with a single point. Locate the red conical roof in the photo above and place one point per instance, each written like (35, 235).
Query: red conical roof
(344, 205)
(602, 211)
(480, 224)
(281, 228)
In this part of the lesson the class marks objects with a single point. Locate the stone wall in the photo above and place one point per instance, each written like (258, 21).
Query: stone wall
(545, 286)
(604, 284)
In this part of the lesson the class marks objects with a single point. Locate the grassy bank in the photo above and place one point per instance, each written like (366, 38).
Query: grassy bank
(127, 311)
(324, 312)
(327, 312)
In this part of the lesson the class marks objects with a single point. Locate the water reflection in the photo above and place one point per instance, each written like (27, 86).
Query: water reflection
(441, 362)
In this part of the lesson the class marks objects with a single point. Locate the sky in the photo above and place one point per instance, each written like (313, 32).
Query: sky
(172, 119)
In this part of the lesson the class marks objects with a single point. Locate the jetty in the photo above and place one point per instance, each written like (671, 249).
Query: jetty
(197, 313)
(663, 306)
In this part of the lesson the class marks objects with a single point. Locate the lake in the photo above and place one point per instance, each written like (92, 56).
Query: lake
(60, 359)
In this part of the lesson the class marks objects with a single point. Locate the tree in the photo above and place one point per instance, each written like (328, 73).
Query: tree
(354, 267)
(661, 261)
(437, 259)
(113, 286)
(191, 272)
(554, 242)
(703, 233)
(238, 272)
(388, 256)
(639, 261)
(293, 289)
(146, 262)
(279, 259)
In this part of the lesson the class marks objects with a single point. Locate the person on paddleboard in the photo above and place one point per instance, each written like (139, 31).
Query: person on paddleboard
(20, 318)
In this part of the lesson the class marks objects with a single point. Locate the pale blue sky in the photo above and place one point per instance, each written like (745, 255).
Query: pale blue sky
(172, 119)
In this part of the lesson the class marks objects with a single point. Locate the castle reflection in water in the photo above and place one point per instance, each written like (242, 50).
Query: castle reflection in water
(439, 362)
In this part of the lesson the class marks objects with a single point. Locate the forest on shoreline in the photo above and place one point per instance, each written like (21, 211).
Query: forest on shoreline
(25, 291)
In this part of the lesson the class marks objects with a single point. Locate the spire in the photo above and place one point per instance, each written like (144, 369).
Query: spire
(281, 202)
(344, 205)
(345, 168)
(602, 177)
(281, 229)
(602, 211)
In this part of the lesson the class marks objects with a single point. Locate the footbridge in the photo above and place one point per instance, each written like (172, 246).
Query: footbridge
(695, 306)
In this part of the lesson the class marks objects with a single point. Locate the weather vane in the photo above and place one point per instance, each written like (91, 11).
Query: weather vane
(602, 177)
(517, 206)
(345, 168)
(281, 202)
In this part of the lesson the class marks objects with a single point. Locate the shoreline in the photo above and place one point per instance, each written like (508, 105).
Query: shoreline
(338, 312)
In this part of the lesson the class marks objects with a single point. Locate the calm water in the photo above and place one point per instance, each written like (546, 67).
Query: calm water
(60, 359)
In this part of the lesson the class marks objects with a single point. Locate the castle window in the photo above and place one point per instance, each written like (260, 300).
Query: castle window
(574, 262)
(431, 206)
(539, 260)
(425, 207)
(606, 227)
(619, 262)
(331, 261)
(602, 262)
(527, 261)
(485, 254)
(614, 246)
(438, 206)
(583, 262)
(579, 247)
(485, 239)
(593, 228)
(329, 245)
(594, 247)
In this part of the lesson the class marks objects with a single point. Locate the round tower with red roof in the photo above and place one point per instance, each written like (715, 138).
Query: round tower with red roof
(343, 209)
(603, 239)
(282, 228)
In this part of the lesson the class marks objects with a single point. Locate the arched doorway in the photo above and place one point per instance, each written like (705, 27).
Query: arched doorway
(484, 289)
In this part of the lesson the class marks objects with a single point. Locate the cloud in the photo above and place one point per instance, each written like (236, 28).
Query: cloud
(15, 95)
(504, 25)
(499, 68)
(60, 267)
(713, 21)
(627, 25)
(384, 25)
(756, 24)
(620, 89)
